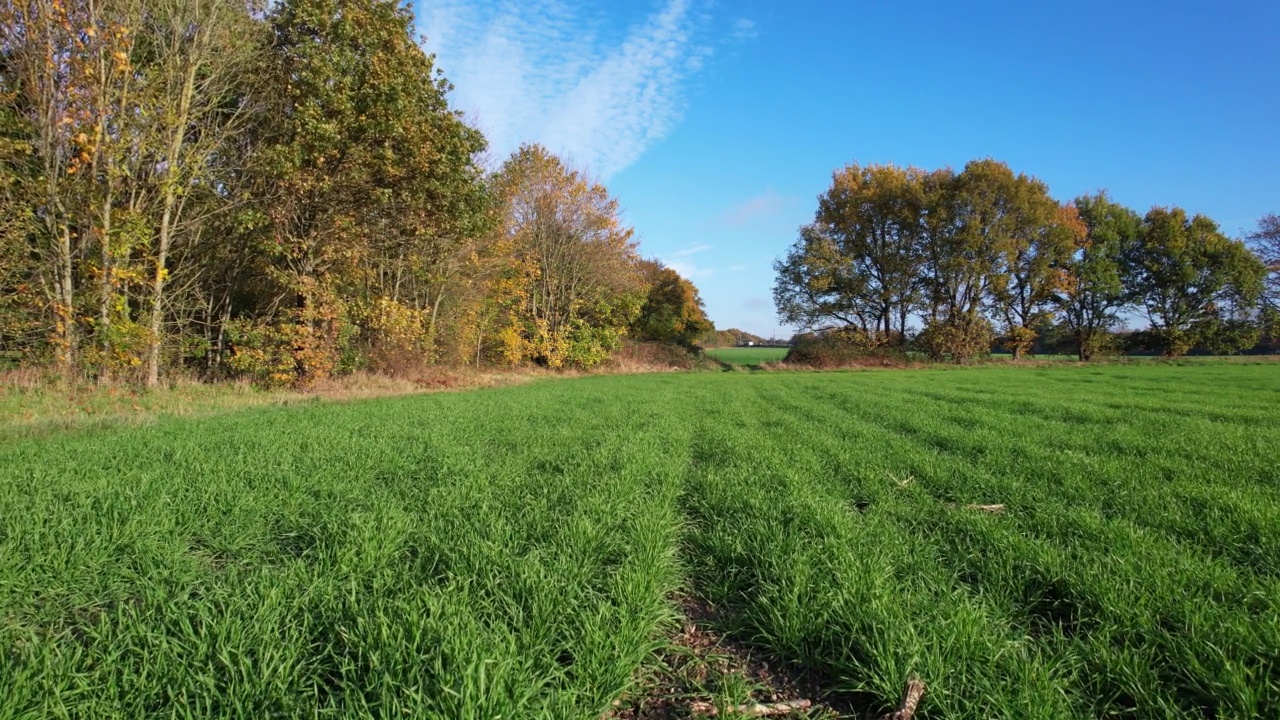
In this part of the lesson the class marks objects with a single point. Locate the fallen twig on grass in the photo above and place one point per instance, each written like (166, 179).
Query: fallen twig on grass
(751, 709)
(987, 508)
(915, 691)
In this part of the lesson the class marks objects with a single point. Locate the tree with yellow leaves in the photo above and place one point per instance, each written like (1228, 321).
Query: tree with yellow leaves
(577, 278)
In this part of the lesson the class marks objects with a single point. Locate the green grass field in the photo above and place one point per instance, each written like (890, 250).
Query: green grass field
(515, 552)
(747, 355)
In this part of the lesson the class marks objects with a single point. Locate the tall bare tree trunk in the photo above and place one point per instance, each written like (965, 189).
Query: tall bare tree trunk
(165, 240)
(65, 310)
(106, 286)
(154, 339)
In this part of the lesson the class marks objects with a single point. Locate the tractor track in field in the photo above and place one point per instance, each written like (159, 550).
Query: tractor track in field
(700, 668)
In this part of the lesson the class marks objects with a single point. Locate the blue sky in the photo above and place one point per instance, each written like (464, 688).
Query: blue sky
(717, 124)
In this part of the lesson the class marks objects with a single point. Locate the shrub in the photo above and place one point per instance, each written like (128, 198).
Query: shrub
(958, 339)
(1229, 336)
(639, 356)
(845, 347)
(1101, 344)
(308, 345)
(394, 338)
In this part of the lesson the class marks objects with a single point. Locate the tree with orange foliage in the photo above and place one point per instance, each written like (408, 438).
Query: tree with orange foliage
(673, 311)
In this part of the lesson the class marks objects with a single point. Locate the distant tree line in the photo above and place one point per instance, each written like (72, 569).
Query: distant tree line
(954, 263)
(729, 338)
(281, 191)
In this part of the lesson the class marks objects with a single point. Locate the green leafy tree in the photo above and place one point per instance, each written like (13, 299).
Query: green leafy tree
(199, 57)
(369, 175)
(1184, 275)
(1092, 290)
(816, 287)
(1265, 241)
(672, 311)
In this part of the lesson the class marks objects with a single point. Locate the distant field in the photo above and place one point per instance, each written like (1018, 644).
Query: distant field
(516, 552)
(747, 355)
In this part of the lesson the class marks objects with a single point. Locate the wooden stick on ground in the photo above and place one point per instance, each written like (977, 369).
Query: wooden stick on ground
(987, 508)
(707, 709)
(915, 691)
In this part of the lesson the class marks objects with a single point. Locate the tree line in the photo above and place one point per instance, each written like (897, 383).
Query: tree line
(954, 263)
(282, 191)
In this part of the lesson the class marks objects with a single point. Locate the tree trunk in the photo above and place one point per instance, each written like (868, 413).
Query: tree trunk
(157, 297)
(165, 239)
(105, 289)
(66, 302)
(222, 330)
(435, 311)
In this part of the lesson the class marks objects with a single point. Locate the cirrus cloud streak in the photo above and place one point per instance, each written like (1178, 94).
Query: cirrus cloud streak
(560, 73)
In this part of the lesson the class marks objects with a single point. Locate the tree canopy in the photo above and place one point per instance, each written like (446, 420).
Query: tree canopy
(988, 253)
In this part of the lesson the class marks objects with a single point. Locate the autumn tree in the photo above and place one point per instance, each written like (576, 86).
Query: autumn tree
(815, 287)
(1035, 236)
(199, 56)
(291, 183)
(859, 262)
(888, 242)
(111, 165)
(964, 217)
(20, 318)
(1093, 292)
(672, 311)
(122, 105)
(1188, 278)
(370, 178)
(80, 86)
(575, 280)
(38, 43)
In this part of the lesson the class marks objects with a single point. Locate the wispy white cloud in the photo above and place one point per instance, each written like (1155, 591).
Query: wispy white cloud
(769, 203)
(689, 270)
(557, 72)
(686, 252)
(680, 261)
(745, 30)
